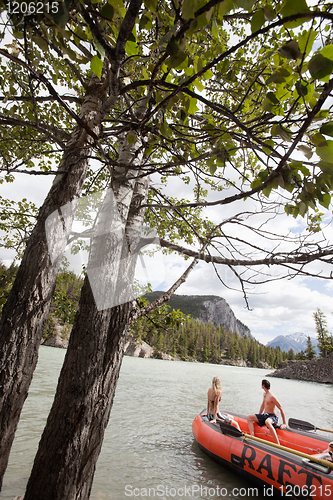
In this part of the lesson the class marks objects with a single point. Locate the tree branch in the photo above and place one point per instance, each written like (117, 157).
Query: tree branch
(273, 260)
(52, 91)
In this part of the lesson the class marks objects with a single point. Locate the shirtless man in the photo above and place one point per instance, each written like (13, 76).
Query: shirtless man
(267, 414)
(330, 452)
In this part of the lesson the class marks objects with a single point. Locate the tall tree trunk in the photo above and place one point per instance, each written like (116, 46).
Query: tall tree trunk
(28, 304)
(65, 463)
(71, 442)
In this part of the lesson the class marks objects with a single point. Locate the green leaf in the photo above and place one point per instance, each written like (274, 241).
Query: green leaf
(318, 139)
(203, 19)
(42, 44)
(176, 60)
(294, 7)
(272, 97)
(325, 201)
(244, 4)
(306, 40)
(132, 37)
(215, 29)
(270, 145)
(306, 151)
(285, 134)
(100, 50)
(62, 15)
(291, 7)
(279, 76)
(225, 7)
(302, 208)
(269, 13)
(145, 22)
(192, 106)
(173, 47)
(131, 137)
(267, 105)
(96, 64)
(326, 167)
(208, 74)
(267, 191)
(107, 11)
(165, 129)
(327, 129)
(302, 89)
(182, 115)
(325, 151)
(131, 48)
(188, 8)
(212, 168)
(321, 65)
(257, 20)
(291, 50)
(198, 85)
(150, 5)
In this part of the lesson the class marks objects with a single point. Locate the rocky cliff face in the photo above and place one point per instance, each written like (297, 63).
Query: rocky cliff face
(206, 308)
(218, 312)
(314, 370)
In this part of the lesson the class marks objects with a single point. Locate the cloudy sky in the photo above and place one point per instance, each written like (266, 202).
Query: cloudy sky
(279, 307)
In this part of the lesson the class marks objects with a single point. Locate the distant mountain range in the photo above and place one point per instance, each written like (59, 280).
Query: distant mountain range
(214, 309)
(206, 308)
(296, 341)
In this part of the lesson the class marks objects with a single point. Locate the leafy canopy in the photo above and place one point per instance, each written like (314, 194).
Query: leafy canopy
(238, 102)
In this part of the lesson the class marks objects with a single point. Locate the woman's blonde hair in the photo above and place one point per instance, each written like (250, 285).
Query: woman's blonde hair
(216, 384)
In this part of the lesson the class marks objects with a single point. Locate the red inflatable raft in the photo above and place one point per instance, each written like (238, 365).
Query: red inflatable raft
(297, 468)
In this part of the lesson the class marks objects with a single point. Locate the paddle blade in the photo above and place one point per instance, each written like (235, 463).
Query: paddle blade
(300, 425)
(229, 430)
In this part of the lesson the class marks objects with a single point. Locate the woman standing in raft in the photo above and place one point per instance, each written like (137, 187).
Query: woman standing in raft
(214, 397)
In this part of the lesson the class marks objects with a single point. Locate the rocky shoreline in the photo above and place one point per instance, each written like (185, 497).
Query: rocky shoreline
(132, 347)
(318, 370)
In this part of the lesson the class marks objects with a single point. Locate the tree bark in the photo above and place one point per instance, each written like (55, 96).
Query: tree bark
(29, 301)
(65, 463)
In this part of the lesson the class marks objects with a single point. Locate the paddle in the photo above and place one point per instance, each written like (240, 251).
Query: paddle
(302, 425)
(232, 431)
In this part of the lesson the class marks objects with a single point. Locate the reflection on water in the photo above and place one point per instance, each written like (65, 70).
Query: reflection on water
(149, 449)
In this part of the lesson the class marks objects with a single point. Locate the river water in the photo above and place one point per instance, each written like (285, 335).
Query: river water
(149, 450)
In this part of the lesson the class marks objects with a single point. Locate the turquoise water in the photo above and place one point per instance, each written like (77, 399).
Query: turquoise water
(149, 450)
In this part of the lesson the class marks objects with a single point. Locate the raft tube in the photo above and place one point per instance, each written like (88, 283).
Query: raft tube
(279, 473)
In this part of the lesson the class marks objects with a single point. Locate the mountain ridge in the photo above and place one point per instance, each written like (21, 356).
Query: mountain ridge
(296, 341)
(206, 308)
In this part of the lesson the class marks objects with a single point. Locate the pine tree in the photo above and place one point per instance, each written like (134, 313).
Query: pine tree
(325, 344)
(291, 354)
(310, 352)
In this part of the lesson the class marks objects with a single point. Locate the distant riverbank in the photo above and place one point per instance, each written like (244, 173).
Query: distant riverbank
(318, 370)
(138, 349)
